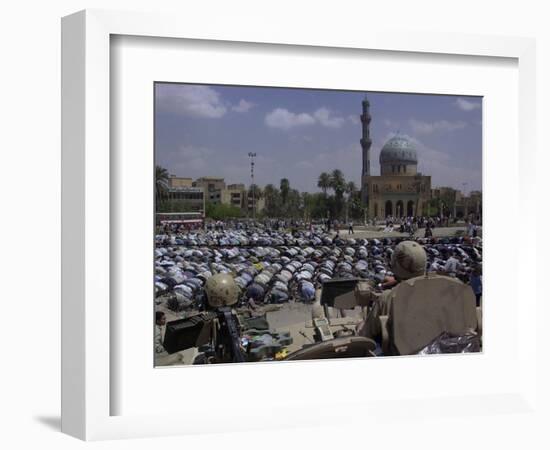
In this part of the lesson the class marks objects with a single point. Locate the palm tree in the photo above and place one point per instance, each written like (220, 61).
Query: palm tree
(324, 182)
(162, 179)
(305, 203)
(338, 182)
(338, 185)
(285, 189)
(350, 190)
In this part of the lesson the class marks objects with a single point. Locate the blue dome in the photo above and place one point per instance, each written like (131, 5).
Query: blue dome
(398, 150)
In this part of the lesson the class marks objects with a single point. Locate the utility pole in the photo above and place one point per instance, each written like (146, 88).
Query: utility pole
(252, 155)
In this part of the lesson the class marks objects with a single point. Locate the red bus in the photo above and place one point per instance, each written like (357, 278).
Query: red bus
(191, 219)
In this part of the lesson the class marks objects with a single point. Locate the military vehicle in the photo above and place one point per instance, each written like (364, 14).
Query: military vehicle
(221, 334)
(428, 314)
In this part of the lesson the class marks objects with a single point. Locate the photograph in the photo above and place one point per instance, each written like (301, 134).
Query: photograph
(296, 224)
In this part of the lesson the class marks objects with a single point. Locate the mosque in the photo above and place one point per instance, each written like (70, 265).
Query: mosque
(400, 190)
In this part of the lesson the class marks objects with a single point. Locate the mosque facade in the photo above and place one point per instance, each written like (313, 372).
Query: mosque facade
(400, 190)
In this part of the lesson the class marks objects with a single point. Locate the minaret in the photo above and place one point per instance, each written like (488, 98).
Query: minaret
(366, 143)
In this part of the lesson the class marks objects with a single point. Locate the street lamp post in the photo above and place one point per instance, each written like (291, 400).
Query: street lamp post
(252, 155)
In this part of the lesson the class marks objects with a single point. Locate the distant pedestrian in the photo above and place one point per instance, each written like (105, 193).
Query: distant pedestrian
(350, 227)
(428, 231)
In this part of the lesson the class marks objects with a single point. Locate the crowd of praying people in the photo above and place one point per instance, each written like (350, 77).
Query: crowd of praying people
(280, 262)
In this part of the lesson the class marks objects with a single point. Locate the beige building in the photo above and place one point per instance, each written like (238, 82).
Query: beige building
(179, 182)
(187, 199)
(234, 195)
(213, 190)
(451, 202)
(254, 203)
(212, 186)
(399, 190)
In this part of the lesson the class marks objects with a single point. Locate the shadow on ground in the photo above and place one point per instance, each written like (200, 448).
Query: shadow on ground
(52, 422)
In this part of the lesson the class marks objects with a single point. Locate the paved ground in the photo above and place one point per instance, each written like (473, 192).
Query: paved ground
(362, 232)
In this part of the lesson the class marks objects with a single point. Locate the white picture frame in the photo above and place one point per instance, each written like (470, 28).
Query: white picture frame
(87, 319)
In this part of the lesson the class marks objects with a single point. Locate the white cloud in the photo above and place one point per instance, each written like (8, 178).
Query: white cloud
(285, 120)
(325, 117)
(243, 106)
(467, 105)
(431, 127)
(192, 101)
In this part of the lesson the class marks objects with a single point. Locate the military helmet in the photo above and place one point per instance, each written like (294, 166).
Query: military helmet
(408, 260)
(221, 290)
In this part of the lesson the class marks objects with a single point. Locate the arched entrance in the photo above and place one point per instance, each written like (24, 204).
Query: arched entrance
(399, 209)
(389, 208)
(410, 208)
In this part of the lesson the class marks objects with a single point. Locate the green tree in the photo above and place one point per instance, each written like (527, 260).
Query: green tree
(307, 204)
(338, 185)
(294, 204)
(324, 182)
(433, 206)
(351, 187)
(272, 200)
(162, 179)
(219, 211)
(350, 190)
(285, 189)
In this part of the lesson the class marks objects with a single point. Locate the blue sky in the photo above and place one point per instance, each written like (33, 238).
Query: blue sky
(208, 130)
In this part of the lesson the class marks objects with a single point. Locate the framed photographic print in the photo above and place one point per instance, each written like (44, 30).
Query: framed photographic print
(259, 220)
(298, 249)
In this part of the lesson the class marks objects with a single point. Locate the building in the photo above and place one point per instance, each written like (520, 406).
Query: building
(233, 195)
(212, 190)
(400, 190)
(254, 203)
(212, 186)
(178, 182)
(451, 202)
(185, 199)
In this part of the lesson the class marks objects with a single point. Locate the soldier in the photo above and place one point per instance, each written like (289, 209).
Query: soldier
(420, 308)
(408, 260)
(221, 290)
(222, 293)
